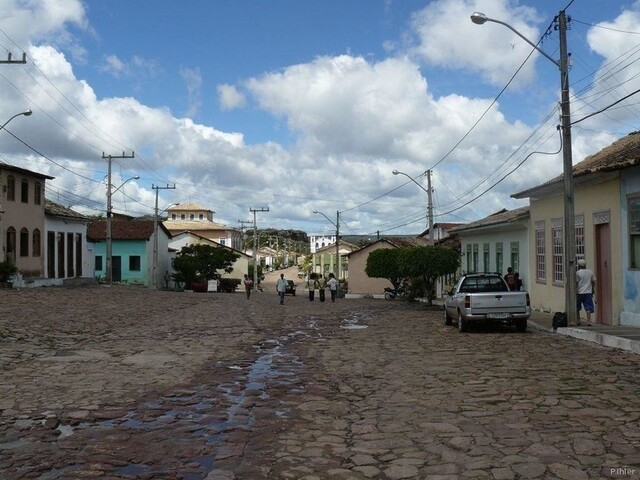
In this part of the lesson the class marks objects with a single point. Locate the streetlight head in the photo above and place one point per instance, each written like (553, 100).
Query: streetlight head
(316, 211)
(136, 177)
(395, 172)
(27, 112)
(479, 18)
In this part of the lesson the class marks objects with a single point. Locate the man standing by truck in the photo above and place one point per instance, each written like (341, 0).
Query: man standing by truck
(586, 283)
(510, 279)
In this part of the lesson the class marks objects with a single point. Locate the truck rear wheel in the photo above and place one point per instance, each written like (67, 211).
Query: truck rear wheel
(521, 326)
(447, 318)
(462, 323)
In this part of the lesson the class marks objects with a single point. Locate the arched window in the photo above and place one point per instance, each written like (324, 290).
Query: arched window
(11, 243)
(11, 188)
(37, 193)
(24, 242)
(24, 191)
(35, 240)
(192, 216)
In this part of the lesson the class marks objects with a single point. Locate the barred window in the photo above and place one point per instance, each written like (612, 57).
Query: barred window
(541, 265)
(580, 237)
(634, 231)
(558, 255)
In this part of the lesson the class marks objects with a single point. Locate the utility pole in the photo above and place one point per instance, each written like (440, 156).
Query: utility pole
(430, 207)
(244, 233)
(109, 265)
(154, 273)
(255, 245)
(567, 163)
(338, 247)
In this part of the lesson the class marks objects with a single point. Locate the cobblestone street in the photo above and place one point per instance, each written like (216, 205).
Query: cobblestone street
(125, 382)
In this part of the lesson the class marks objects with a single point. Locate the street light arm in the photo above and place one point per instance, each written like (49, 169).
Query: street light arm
(26, 113)
(480, 18)
(332, 222)
(396, 172)
(127, 180)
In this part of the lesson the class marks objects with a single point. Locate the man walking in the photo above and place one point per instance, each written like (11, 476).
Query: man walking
(332, 283)
(586, 282)
(281, 287)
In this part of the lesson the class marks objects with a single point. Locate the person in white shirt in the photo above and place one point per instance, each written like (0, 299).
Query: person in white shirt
(281, 287)
(332, 283)
(586, 283)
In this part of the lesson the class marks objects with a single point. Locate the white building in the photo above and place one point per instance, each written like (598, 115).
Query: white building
(316, 242)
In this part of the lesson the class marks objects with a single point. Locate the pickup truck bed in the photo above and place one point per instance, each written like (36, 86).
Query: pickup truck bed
(486, 297)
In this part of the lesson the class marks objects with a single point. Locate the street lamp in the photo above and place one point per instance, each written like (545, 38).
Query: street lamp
(567, 161)
(429, 201)
(109, 240)
(154, 273)
(337, 225)
(26, 113)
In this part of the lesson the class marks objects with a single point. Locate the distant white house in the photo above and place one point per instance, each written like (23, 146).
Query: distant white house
(182, 239)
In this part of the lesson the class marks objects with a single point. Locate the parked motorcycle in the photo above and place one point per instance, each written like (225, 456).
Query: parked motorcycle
(390, 293)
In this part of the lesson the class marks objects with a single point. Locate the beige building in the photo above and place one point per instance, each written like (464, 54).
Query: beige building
(359, 282)
(22, 219)
(597, 200)
(324, 259)
(191, 217)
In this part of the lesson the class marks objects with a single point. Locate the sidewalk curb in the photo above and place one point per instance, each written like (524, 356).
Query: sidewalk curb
(600, 338)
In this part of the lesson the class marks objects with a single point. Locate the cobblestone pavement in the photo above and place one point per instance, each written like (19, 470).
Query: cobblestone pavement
(127, 383)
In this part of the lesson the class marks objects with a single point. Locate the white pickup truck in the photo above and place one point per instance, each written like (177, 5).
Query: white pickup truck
(483, 297)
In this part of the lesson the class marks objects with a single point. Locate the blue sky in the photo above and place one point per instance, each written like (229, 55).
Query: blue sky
(303, 106)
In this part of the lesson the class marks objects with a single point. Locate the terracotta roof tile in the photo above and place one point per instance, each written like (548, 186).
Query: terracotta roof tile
(123, 229)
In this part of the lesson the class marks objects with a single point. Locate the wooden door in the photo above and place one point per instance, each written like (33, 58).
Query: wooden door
(603, 274)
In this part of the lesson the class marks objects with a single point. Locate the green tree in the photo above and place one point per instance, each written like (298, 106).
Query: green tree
(196, 263)
(425, 264)
(384, 263)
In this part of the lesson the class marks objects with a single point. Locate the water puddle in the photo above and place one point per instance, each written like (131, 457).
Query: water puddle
(352, 322)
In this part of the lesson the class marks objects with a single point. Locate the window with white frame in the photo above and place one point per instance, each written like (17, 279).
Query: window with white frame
(469, 259)
(579, 237)
(485, 257)
(634, 230)
(222, 241)
(541, 253)
(558, 251)
(499, 258)
(475, 258)
(514, 256)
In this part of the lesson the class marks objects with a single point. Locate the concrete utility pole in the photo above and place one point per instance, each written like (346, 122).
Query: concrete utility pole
(154, 272)
(567, 163)
(109, 159)
(255, 244)
(338, 247)
(569, 253)
(430, 207)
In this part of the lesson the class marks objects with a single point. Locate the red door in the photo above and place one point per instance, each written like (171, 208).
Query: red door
(603, 274)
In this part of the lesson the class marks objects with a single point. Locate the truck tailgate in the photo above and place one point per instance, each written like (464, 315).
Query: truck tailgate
(514, 302)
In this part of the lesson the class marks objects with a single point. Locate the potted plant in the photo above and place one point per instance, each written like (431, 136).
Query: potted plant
(6, 272)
